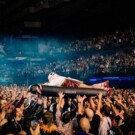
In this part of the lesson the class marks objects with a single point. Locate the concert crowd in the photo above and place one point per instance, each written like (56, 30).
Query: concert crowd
(22, 113)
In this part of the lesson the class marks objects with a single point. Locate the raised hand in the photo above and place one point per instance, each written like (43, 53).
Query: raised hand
(25, 93)
(45, 102)
(61, 94)
(117, 100)
(40, 100)
(36, 131)
(108, 100)
(100, 95)
(80, 99)
(3, 113)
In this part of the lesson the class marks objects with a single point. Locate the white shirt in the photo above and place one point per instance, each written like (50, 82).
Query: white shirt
(105, 127)
(55, 79)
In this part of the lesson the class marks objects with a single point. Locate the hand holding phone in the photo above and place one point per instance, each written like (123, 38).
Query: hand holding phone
(34, 124)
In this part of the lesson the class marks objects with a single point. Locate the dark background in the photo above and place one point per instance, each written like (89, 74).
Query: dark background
(79, 18)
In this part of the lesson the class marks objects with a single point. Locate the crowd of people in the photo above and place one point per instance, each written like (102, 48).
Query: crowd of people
(22, 113)
(116, 63)
(104, 41)
(106, 54)
(53, 46)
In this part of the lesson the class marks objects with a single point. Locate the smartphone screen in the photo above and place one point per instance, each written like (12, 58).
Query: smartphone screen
(34, 124)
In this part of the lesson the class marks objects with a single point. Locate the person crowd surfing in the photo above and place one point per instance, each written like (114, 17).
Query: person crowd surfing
(61, 81)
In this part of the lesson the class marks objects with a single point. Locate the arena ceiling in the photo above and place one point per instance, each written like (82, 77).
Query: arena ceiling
(70, 17)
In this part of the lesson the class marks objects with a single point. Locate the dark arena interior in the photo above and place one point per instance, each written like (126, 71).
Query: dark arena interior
(89, 45)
